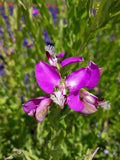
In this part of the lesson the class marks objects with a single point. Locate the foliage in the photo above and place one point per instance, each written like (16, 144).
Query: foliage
(78, 31)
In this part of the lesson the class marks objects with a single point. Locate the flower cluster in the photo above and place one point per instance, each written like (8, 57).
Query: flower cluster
(49, 80)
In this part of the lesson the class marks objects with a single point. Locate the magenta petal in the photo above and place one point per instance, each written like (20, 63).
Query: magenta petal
(95, 76)
(74, 102)
(31, 105)
(60, 55)
(47, 77)
(89, 97)
(88, 107)
(35, 11)
(37, 107)
(78, 79)
(42, 109)
(70, 60)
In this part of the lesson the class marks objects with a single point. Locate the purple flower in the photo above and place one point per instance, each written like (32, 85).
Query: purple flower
(112, 37)
(106, 152)
(49, 79)
(22, 99)
(51, 82)
(84, 77)
(1, 70)
(79, 99)
(94, 12)
(38, 107)
(35, 11)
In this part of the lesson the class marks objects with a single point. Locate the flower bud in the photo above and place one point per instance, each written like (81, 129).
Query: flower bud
(38, 107)
(88, 107)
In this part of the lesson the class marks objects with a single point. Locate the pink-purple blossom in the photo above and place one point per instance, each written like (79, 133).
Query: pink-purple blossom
(38, 107)
(49, 80)
(35, 11)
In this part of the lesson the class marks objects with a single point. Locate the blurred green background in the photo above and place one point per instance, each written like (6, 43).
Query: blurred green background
(82, 28)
